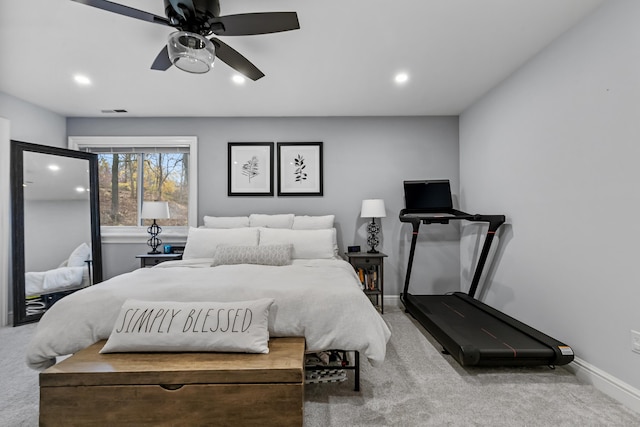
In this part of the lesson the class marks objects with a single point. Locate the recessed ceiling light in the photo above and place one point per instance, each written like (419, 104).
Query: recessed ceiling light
(80, 189)
(401, 78)
(54, 167)
(82, 80)
(238, 79)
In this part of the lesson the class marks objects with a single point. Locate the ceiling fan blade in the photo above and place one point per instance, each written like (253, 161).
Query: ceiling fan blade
(126, 11)
(247, 24)
(162, 61)
(235, 60)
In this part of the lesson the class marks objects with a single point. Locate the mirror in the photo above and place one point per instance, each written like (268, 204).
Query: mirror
(56, 247)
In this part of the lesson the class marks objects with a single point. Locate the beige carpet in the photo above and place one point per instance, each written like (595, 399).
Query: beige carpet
(416, 386)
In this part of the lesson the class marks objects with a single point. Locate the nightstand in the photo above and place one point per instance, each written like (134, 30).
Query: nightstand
(149, 260)
(370, 269)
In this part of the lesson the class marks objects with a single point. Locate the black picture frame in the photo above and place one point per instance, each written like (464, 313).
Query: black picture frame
(300, 169)
(250, 169)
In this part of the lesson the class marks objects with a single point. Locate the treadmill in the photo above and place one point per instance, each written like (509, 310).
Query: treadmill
(474, 333)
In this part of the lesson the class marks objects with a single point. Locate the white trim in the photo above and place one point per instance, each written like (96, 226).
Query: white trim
(613, 387)
(140, 235)
(127, 141)
(5, 213)
(151, 141)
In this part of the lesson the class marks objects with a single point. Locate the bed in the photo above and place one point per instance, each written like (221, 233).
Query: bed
(316, 294)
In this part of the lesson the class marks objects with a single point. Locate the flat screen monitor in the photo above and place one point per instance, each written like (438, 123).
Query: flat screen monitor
(432, 196)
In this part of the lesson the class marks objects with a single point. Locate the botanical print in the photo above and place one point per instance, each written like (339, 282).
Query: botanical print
(251, 169)
(299, 173)
(300, 169)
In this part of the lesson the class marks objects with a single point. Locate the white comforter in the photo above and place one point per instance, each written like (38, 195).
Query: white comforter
(318, 299)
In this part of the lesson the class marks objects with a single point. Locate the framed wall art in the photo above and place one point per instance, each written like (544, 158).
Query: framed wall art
(250, 168)
(300, 169)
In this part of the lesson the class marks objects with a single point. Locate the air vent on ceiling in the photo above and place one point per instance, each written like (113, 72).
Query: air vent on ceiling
(114, 111)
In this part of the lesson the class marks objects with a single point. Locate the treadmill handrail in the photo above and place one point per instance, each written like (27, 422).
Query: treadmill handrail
(495, 221)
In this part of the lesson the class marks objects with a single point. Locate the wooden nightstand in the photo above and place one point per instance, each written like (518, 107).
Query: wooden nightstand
(370, 269)
(149, 260)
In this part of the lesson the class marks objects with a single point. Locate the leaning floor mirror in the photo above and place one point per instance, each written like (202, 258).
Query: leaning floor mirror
(56, 247)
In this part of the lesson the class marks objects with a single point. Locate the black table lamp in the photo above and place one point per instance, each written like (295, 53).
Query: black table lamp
(154, 210)
(373, 208)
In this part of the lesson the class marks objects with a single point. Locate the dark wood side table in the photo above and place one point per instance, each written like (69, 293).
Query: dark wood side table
(370, 269)
(149, 260)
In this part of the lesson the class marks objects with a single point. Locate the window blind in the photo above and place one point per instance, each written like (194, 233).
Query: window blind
(132, 149)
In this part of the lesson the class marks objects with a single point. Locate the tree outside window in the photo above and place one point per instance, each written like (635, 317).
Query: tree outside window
(126, 179)
(134, 169)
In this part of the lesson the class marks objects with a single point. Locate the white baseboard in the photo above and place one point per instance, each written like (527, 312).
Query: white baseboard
(608, 384)
(613, 387)
(392, 301)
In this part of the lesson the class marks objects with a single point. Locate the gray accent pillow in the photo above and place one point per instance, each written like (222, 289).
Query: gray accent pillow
(263, 255)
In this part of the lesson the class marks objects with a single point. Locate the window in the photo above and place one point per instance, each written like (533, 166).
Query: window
(134, 169)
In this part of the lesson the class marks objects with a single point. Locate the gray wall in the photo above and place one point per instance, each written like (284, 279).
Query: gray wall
(555, 147)
(52, 230)
(363, 158)
(28, 123)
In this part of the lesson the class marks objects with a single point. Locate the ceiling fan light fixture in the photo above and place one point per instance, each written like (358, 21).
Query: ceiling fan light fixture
(191, 52)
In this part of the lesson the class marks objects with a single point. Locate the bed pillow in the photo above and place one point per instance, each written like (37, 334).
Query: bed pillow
(79, 255)
(306, 244)
(277, 255)
(202, 242)
(226, 221)
(271, 221)
(307, 222)
(168, 326)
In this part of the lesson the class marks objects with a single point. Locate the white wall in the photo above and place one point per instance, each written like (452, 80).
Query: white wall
(556, 148)
(28, 123)
(363, 158)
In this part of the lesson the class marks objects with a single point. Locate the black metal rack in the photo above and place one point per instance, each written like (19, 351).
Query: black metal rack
(347, 363)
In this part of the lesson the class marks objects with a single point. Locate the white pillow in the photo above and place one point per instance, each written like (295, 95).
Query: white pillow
(202, 242)
(277, 255)
(307, 244)
(226, 221)
(306, 222)
(79, 255)
(191, 326)
(271, 221)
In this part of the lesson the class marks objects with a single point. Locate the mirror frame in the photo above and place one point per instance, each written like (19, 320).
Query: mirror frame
(18, 148)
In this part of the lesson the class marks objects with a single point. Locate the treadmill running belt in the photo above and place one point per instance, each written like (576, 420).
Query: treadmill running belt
(475, 334)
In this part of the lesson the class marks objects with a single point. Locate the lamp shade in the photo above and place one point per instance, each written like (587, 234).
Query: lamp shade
(373, 208)
(155, 210)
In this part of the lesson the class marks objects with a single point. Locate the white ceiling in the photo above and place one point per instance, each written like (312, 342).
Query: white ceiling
(340, 63)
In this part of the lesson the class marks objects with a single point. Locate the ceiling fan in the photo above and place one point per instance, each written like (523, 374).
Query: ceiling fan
(188, 48)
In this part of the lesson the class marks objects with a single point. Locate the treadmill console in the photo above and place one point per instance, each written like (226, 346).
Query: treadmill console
(432, 196)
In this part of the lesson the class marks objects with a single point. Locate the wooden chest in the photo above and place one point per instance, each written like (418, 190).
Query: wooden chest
(176, 389)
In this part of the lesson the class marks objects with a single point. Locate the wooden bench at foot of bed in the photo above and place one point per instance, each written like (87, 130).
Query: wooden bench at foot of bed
(159, 389)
